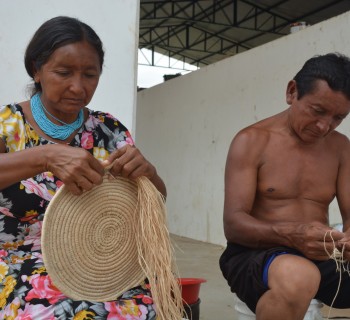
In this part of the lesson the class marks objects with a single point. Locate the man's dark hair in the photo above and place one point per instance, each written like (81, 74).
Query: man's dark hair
(334, 68)
(53, 34)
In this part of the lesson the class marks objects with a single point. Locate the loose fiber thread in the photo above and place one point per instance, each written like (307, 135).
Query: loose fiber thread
(338, 257)
(156, 252)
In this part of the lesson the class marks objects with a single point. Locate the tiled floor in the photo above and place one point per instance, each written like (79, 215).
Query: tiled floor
(196, 259)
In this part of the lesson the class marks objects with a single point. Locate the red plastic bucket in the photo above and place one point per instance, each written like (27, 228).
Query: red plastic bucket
(190, 289)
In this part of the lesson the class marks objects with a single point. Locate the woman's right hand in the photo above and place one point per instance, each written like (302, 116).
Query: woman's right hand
(75, 167)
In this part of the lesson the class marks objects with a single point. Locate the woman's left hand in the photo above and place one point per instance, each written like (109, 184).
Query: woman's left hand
(129, 162)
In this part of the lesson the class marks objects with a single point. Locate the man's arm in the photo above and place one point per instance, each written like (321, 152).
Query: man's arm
(241, 175)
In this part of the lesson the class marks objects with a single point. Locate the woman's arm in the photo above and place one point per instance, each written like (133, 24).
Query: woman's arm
(75, 167)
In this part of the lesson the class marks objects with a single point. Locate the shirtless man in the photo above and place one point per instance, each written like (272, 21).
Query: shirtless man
(281, 175)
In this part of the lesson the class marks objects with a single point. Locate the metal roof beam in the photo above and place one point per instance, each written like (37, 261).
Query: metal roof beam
(181, 26)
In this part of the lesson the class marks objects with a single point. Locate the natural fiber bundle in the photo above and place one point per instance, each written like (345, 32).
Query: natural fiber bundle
(156, 252)
(342, 265)
(107, 240)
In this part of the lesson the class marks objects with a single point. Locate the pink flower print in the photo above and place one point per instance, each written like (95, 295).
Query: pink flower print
(10, 310)
(128, 138)
(31, 186)
(127, 133)
(16, 136)
(87, 140)
(3, 253)
(121, 144)
(145, 299)
(48, 176)
(129, 141)
(38, 256)
(34, 236)
(59, 184)
(108, 115)
(125, 310)
(32, 312)
(43, 288)
(6, 212)
(92, 123)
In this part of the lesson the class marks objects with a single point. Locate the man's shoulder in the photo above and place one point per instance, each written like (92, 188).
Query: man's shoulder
(340, 139)
(254, 131)
(258, 131)
(339, 143)
(252, 139)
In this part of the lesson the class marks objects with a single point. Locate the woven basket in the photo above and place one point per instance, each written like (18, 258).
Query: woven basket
(88, 243)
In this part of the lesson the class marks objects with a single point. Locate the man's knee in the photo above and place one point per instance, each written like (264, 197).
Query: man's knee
(294, 277)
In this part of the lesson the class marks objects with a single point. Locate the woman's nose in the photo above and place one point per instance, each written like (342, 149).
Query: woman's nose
(77, 85)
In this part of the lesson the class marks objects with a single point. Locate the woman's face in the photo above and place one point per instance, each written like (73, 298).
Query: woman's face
(69, 79)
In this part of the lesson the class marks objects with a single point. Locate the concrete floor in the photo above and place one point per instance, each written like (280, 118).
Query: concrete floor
(196, 259)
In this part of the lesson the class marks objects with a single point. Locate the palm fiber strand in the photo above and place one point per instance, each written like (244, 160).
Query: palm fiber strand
(338, 257)
(156, 252)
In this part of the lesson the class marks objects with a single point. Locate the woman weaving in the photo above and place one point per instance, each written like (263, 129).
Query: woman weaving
(50, 140)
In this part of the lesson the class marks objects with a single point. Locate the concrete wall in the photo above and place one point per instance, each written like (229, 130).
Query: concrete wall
(184, 126)
(115, 21)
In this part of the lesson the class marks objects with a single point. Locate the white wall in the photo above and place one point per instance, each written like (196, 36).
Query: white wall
(115, 21)
(184, 126)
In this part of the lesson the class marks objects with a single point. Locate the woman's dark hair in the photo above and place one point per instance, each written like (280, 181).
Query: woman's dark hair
(334, 68)
(53, 34)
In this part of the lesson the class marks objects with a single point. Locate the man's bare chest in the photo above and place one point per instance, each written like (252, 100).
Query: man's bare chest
(298, 172)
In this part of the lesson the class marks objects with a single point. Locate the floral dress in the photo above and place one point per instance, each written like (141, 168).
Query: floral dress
(26, 291)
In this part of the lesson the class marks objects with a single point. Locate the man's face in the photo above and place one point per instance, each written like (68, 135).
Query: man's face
(318, 113)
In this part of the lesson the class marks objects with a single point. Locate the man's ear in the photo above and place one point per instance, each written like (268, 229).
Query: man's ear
(291, 92)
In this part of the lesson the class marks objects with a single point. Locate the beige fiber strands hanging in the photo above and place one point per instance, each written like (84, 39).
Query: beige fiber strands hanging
(341, 264)
(109, 239)
(156, 260)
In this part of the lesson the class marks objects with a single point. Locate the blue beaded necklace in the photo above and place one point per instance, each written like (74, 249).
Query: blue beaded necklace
(47, 126)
